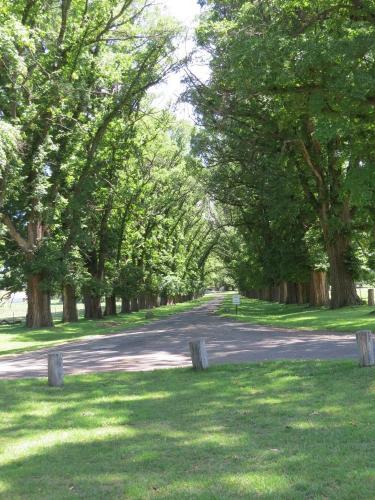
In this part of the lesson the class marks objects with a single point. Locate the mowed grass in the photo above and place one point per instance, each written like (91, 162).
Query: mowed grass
(277, 430)
(347, 319)
(17, 339)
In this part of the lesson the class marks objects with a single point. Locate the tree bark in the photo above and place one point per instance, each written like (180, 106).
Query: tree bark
(135, 305)
(343, 289)
(275, 293)
(283, 292)
(93, 309)
(142, 301)
(300, 297)
(110, 306)
(266, 293)
(38, 304)
(319, 292)
(70, 313)
(306, 293)
(291, 293)
(125, 305)
(150, 301)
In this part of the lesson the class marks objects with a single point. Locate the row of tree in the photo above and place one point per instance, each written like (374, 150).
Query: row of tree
(287, 142)
(96, 195)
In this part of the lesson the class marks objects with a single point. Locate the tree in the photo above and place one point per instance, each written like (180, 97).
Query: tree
(277, 90)
(68, 73)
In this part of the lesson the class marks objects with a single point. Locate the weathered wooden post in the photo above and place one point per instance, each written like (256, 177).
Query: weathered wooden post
(55, 369)
(371, 297)
(198, 353)
(365, 348)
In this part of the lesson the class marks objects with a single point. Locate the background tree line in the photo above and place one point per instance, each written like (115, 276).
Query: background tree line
(287, 143)
(96, 195)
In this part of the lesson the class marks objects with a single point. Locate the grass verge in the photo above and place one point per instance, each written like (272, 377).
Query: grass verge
(346, 319)
(285, 430)
(17, 339)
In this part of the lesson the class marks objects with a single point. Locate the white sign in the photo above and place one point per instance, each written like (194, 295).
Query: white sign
(236, 300)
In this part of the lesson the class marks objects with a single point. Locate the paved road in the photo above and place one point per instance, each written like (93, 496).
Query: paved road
(164, 344)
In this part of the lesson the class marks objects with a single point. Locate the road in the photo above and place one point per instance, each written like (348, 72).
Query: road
(164, 344)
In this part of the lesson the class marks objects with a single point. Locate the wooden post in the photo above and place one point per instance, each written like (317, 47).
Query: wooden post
(55, 369)
(198, 353)
(365, 348)
(371, 297)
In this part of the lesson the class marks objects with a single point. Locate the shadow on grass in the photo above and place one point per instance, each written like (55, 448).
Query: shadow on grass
(346, 319)
(272, 430)
(17, 339)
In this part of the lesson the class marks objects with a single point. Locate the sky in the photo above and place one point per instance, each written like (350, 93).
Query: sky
(186, 12)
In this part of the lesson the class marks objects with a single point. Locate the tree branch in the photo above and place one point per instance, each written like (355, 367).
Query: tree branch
(21, 242)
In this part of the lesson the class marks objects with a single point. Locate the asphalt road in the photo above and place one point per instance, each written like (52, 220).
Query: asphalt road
(164, 344)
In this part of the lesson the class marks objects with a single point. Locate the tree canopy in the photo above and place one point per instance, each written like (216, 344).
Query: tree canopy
(287, 134)
(103, 195)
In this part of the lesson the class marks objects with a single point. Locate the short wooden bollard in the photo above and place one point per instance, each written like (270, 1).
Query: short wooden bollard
(371, 297)
(198, 353)
(365, 348)
(55, 369)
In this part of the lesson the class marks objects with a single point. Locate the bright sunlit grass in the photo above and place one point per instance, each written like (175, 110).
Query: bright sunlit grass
(17, 339)
(280, 430)
(347, 319)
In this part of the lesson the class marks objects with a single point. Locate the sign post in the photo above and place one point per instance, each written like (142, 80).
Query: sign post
(236, 300)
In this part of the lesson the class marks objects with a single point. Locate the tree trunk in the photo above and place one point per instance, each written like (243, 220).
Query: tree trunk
(142, 301)
(70, 313)
(266, 293)
(283, 292)
(319, 293)
(135, 305)
(291, 293)
(300, 297)
(38, 304)
(306, 293)
(150, 301)
(110, 306)
(275, 293)
(125, 305)
(343, 289)
(93, 309)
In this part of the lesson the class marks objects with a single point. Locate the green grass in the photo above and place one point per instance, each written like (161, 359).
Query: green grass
(280, 430)
(347, 319)
(17, 339)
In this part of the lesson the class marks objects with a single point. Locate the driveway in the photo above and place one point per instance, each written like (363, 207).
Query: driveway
(164, 344)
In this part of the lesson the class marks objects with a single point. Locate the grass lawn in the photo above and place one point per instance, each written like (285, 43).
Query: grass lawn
(17, 339)
(275, 430)
(347, 319)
